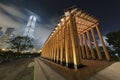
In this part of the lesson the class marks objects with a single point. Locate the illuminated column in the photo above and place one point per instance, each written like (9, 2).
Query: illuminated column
(82, 46)
(63, 39)
(46, 50)
(74, 36)
(80, 49)
(50, 48)
(64, 55)
(53, 48)
(96, 45)
(70, 59)
(91, 47)
(61, 52)
(57, 44)
(68, 46)
(49, 51)
(86, 46)
(103, 44)
(66, 43)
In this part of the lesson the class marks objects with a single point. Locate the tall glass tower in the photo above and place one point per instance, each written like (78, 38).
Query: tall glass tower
(29, 30)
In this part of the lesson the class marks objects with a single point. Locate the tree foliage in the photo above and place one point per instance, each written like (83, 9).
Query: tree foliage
(20, 43)
(113, 38)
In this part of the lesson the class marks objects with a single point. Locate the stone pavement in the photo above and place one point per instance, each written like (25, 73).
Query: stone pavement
(44, 72)
(110, 73)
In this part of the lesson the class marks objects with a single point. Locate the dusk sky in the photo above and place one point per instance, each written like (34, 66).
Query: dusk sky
(15, 13)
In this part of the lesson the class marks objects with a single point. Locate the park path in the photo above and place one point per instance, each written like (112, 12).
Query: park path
(17, 70)
(44, 72)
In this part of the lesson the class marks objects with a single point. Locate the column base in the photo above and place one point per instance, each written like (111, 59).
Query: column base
(79, 66)
(100, 59)
(69, 65)
(55, 61)
(63, 63)
(94, 59)
(58, 62)
(73, 66)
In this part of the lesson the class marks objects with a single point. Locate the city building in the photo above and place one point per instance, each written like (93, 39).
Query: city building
(3, 39)
(1, 32)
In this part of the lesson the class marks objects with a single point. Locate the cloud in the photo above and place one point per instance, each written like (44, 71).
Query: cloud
(15, 17)
(11, 16)
(104, 39)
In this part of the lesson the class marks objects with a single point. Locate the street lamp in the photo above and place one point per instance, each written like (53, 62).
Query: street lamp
(117, 56)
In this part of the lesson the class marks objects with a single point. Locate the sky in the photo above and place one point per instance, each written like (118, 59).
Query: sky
(15, 13)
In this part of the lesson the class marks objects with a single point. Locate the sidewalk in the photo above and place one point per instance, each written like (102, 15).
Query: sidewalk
(110, 73)
(44, 72)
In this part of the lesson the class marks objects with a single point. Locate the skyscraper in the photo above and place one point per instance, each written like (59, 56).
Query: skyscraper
(3, 39)
(29, 30)
(1, 32)
(9, 31)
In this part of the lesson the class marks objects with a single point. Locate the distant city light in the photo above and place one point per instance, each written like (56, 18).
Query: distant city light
(116, 54)
(40, 50)
(3, 49)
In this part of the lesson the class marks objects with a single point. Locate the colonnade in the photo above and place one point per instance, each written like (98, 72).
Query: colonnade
(88, 47)
(66, 44)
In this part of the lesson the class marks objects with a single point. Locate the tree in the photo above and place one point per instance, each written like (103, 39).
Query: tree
(20, 43)
(113, 38)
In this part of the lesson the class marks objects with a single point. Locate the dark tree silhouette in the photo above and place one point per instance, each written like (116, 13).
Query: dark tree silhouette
(113, 38)
(20, 43)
